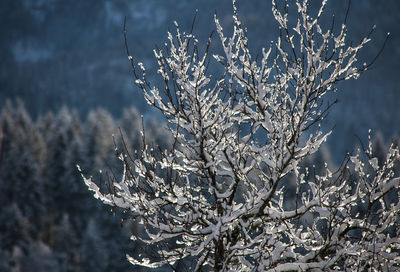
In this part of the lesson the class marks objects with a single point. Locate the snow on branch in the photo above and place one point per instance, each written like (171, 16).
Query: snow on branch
(217, 198)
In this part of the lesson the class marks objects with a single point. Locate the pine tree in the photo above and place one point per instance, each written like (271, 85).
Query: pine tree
(131, 125)
(98, 140)
(20, 170)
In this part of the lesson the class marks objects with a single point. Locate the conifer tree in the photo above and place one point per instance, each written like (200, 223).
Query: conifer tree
(20, 170)
(64, 146)
(98, 143)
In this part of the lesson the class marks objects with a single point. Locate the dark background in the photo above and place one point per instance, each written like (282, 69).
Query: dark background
(65, 73)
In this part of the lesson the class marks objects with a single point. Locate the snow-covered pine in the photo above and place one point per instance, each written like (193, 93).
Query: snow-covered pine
(216, 199)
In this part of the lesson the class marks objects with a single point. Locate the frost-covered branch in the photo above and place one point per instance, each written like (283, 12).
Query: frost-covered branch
(216, 199)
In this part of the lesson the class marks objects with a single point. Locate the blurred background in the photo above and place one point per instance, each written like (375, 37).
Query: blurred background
(66, 87)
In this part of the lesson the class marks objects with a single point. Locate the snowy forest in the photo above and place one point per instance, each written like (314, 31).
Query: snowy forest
(77, 106)
(48, 219)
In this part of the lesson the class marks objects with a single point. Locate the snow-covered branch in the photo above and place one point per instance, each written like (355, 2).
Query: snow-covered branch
(217, 197)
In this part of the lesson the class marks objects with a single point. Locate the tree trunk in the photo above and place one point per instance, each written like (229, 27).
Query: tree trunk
(219, 255)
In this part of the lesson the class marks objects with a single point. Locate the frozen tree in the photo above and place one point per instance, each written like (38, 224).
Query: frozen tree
(216, 198)
(64, 146)
(20, 170)
(130, 125)
(98, 135)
